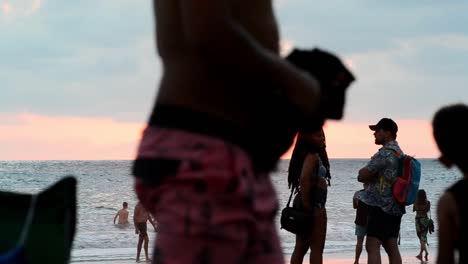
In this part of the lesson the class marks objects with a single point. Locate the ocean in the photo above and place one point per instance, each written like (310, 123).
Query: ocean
(104, 185)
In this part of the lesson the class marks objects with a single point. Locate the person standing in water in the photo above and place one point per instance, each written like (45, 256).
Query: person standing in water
(122, 215)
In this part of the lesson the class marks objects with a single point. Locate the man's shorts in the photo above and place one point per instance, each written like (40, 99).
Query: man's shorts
(142, 229)
(381, 225)
(360, 231)
(210, 205)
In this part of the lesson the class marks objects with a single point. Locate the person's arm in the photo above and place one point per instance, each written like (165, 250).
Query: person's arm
(428, 208)
(308, 180)
(135, 213)
(210, 29)
(355, 201)
(117, 214)
(150, 219)
(370, 172)
(446, 212)
(365, 175)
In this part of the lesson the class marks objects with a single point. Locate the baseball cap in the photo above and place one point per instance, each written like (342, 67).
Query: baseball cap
(386, 124)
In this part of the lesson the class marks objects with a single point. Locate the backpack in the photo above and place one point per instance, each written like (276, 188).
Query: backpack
(405, 188)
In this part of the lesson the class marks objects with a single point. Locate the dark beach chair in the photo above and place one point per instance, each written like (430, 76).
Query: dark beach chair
(38, 228)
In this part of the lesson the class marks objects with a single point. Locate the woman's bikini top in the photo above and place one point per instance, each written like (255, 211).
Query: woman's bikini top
(16, 255)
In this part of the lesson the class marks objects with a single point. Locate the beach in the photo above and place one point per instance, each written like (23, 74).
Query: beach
(408, 257)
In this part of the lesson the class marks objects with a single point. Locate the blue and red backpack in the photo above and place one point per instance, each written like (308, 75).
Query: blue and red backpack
(405, 188)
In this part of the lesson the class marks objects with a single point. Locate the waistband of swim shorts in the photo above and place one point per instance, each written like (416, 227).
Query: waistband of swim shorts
(176, 117)
(169, 116)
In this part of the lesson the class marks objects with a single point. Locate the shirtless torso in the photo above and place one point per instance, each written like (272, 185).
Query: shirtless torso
(140, 214)
(205, 83)
(220, 57)
(123, 217)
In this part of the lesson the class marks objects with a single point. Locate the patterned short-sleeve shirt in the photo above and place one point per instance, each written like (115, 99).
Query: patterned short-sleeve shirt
(379, 193)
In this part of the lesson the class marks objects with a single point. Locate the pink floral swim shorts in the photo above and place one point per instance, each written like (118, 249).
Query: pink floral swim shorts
(209, 204)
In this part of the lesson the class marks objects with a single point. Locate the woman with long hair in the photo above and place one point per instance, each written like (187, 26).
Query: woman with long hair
(422, 206)
(309, 175)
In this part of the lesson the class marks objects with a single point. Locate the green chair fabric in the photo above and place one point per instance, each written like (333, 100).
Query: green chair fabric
(53, 224)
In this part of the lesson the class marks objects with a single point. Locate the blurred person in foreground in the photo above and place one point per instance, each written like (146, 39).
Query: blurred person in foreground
(450, 130)
(228, 106)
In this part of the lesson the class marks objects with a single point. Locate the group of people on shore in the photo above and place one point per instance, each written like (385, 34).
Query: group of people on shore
(378, 214)
(140, 219)
(423, 222)
(228, 106)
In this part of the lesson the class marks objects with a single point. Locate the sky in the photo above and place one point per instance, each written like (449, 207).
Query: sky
(78, 78)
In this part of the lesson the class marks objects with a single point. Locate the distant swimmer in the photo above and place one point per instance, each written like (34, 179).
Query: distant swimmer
(122, 214)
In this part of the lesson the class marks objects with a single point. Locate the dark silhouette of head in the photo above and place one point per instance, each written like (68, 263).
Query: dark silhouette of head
(331, 73)
(386, 124)
(450, 130)
(302, 147)
(422, 197)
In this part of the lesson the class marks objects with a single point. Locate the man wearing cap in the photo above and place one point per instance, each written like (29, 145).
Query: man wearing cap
(384, 212)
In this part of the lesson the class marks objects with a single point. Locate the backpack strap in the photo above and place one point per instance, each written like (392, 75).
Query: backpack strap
(382, 180)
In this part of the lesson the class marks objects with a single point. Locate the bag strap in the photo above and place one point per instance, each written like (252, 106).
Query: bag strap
(290, 196)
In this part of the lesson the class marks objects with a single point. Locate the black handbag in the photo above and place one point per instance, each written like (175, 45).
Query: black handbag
(430, 224)
(295, 220)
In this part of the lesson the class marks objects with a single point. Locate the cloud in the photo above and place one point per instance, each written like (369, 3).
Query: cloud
(36, 5)
(15, 9)
(286, 47)
(80, 59)
(31, 136)
(410, 79)
(355, 140)
(38, 137)
(282, 3)
(6, 8)
(89, 81)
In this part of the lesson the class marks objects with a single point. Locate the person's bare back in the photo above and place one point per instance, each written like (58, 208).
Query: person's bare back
(140, 215)
(220, 58)
(123, 217)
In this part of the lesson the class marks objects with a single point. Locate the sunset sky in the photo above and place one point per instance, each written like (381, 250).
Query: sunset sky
(78, 78)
